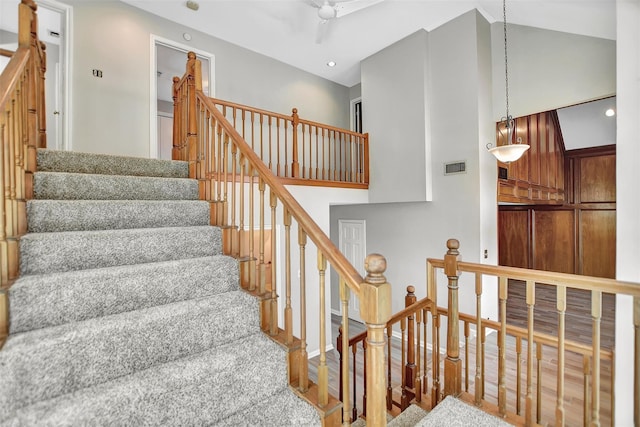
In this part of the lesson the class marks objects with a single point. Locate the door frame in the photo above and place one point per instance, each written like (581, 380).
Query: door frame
(153, 91)
(358, 264)
(66, 74)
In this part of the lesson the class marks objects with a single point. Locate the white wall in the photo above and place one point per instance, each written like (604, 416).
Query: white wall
(394, 83)
(550, 69)
(408, 233)
(111, 114)
(628, 199)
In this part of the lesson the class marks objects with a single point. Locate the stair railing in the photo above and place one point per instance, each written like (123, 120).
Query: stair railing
(299, 150)
(22, 131)
(592, 356)
(227, 168)
(412, 322)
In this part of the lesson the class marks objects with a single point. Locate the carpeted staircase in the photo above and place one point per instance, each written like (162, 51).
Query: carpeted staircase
(126, 313)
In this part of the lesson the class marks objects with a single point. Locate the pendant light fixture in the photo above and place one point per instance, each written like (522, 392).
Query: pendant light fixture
(508, 151)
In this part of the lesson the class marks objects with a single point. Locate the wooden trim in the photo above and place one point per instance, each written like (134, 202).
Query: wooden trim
(592, 151)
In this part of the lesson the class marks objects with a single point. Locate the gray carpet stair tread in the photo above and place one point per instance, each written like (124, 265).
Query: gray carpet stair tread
(409, 417)
(77, 186)
(76, 215)
(281, 409)
(76, 162)
(50, 362)
(42, 253)
(202, 389)
(39, 301)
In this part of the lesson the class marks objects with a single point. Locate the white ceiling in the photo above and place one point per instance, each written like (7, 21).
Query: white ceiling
(286, 29)
(586, 125)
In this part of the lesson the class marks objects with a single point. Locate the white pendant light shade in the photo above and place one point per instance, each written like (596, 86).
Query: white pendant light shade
(509, 153)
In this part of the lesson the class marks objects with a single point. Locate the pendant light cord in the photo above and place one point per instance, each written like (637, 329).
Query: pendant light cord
(506, 66)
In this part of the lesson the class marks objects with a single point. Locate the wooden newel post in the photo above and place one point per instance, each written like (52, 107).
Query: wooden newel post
(410, 368)
(375, 310)
(452, 364)
(194, 82)
(295, 166)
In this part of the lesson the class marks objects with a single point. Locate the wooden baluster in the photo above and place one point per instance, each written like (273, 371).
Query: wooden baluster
(324, 152)
(596, 315)
(539, 382)
(323, 370)
(253, 131)
(303, 173)
(252, 257)
(304, 374)
(479, 352)
(235, 249)
(278, 170)
(530, 300)
(425, 369)
(343, 344)
(636, 375)
(561, 305)
(317, 162)
(435, 340)
(452, 364)
(364, 388)
(586, 372)
(288, 312)
(389, 388)
(365, 160)
(418, 384)
(404, 399)
(241, 230)
(410, 367)
(286, 148)
(295, 166)
(224, 216)
(466, 356)
(336, 151)
(502, 347)
(518, 373)
(262, 267)
(354, 406)
(270, 143)
(4, 254)
(262, 137)
(483, 339)
(274, 296)
(375, 310)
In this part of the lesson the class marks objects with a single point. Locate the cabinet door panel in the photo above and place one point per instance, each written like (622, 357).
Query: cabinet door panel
(598, 243)
(554, 240)
(513, 238)
(598, 179)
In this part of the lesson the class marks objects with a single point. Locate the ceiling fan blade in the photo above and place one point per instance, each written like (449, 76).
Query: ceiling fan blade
(323, 29)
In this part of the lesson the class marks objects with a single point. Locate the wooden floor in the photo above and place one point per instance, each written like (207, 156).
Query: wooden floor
(578, 320)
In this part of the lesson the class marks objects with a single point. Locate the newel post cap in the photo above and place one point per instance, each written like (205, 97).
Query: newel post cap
(452, 258)
(375, 296)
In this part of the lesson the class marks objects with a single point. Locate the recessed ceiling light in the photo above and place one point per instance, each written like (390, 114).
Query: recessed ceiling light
(610, 112)
(331, 64)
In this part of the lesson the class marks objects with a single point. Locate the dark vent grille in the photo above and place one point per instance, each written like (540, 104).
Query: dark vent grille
(455, 167)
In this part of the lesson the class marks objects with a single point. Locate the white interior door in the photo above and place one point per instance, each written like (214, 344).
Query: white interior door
(353, 244)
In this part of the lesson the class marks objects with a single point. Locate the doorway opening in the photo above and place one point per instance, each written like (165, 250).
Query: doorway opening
(169, 59)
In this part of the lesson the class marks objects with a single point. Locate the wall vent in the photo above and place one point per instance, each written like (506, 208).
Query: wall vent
(455, 168)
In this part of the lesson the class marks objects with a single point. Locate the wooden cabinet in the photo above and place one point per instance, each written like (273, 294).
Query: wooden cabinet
(538, 176)
(578, 236)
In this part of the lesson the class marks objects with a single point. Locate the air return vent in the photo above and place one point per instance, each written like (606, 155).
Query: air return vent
(455, 168)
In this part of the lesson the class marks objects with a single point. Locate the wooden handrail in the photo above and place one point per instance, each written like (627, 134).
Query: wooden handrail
(6, 52)
(12, 74)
